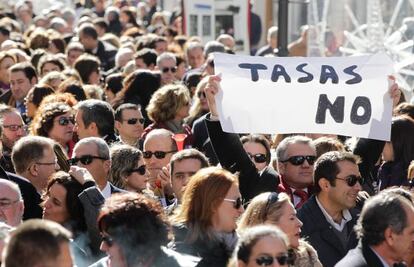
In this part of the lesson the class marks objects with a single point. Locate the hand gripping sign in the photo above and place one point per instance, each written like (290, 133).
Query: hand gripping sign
(330, 95)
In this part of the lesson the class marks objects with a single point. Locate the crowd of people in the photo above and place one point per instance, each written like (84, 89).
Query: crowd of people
(113, 155)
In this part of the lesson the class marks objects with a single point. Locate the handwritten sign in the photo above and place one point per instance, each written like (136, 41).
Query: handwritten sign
(329, 95)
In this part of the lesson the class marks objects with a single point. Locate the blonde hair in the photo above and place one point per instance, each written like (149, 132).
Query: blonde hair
(196, 107)
(166, 101)
(203, 194)
(260, 210)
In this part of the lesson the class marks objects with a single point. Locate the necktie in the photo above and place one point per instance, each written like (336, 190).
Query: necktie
(303, 197)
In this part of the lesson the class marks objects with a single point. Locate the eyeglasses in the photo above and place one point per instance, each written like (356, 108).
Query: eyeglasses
(272, 198)
(258, 158)
(157, 154)
(141, 170)
(63, 121)
(237, 203)
(201, 95)
(108, 240)
(134, 121)
(15, 128)
(268, 260)
(299, 160)
(6, 203)
(351, 180)
(172, 69)
(85, 159)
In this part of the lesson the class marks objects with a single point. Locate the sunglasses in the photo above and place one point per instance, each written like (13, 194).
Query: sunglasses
(108, 240)
(63, 121)
(237, 203)
(299, 160)
(258, 158)
(141, 170)
(157, 154)
(351, 180)
(85, 159)
(172, 69)
(269, 260)
(135, 120)
(201, 95)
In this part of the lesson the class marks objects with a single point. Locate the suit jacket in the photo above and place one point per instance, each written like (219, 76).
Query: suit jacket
(115, 189)
(234, 158)
(31, 197)
(361, 256)
(320, 234)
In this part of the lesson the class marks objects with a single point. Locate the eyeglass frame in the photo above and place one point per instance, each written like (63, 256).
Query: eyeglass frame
(154, 153)
(13, 128)
(347, 179)
(310, 159)
(140, 120)
(139, 170)
(270, 259)
(237, 203)
(63, 121)
(75, 160)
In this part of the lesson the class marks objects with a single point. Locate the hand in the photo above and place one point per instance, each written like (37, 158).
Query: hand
(82, 175)
(212, 88)
(164, 178)
(394, 91)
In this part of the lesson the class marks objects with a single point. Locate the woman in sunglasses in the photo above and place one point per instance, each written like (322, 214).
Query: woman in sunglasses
(276, 209)
(261, 246)
(131, 174)
(200, 105)
(56, 121)
(167, 109)
(249, 156)
(205, 225)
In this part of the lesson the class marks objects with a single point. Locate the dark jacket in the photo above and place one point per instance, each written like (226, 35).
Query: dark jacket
(213, 253)
(361, 256)
(234, 158)
(202, 140)
(320, 234)
(166, 258)
(31, 197)
(392, 174)
(106, 54)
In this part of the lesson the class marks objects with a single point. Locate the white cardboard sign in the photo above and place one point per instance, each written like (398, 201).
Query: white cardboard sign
(330, 95)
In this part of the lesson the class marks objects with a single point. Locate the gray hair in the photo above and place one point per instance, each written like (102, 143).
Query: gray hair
(100, 112)
(384, 210)
(103, 148)
(193, 45)
(165, 56)
(213, 46)
(122, 54)
(13, 186)
(281, 150)
(272, 32)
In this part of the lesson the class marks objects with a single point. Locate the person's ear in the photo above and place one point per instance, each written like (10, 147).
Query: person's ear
(389, 236)
(118, 125)
(324, 184)
(33, 169)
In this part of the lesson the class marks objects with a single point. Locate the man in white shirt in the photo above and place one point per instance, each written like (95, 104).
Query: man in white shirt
(328, 217)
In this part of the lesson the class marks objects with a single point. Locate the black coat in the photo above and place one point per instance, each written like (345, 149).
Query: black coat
(361, 256)
(320, 234)
(31, 197)
(106, 54)
(212, 253)
(201, 140)
(234, 158)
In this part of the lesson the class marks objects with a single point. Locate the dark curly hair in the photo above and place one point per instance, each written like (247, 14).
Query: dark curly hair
(136, 223)
(43, 120)
(73, 204)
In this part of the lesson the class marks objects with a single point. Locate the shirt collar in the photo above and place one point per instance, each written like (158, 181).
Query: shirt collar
(106, 192)
(346, 217)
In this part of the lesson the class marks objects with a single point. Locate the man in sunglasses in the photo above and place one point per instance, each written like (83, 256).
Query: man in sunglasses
(92, 153)
(159, 146)
(167, 65)
(295, 158)
(328, 217)
(129, 123)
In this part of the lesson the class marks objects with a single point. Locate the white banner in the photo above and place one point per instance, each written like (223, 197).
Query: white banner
(329, 95)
